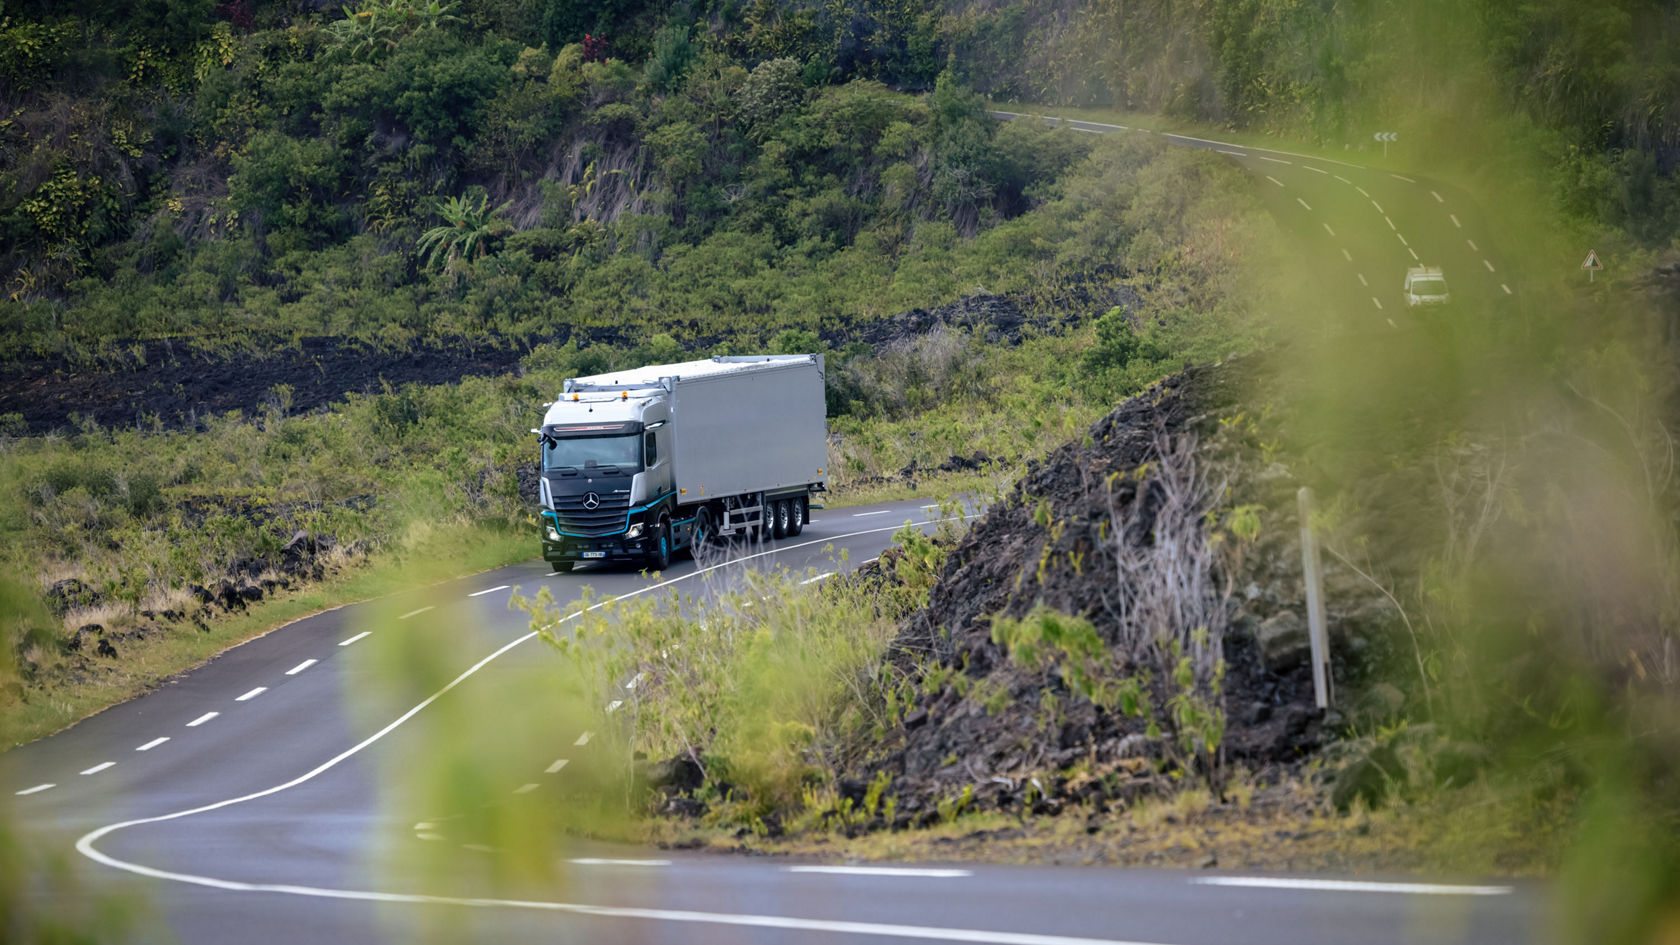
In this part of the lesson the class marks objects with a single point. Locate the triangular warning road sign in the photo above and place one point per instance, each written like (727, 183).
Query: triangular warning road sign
(1592, 262)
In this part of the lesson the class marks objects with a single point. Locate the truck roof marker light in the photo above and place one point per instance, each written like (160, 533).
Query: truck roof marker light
(623, 395)
(574, 397)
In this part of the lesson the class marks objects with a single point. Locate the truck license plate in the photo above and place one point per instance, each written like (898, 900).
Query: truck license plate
(594, 554)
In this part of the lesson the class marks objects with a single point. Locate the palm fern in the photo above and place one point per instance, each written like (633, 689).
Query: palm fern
(466, 231)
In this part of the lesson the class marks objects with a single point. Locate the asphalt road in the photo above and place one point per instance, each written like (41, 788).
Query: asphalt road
(264, 797)
(1361, 227)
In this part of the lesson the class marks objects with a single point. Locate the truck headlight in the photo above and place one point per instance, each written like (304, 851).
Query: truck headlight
(635, 531)
(552, 534)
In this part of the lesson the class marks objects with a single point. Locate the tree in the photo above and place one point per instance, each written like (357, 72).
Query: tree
(466, 232)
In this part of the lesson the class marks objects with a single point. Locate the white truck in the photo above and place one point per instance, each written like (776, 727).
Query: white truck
(639, 464)
(1425, 285)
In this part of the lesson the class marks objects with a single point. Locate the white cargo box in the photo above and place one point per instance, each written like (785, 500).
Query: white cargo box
(738, 424)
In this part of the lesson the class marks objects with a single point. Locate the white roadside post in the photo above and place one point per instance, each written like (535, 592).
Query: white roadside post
(1316, 634)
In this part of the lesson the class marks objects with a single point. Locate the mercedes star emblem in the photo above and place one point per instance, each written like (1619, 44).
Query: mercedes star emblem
(591, 501)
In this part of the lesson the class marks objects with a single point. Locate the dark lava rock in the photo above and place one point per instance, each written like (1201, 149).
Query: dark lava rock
(250, 594)
(1367, 776)
(1283, 641)
(106, 649)
(68, 593)
(201, 593)
(678, 775)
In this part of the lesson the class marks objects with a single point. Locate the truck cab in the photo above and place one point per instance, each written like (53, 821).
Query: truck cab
(1425, 285)
(606, 478)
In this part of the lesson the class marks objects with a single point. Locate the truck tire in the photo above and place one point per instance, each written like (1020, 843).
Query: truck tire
(660, 559)
(796, 515)
(561, 567)
(702, 535)
(783, 516)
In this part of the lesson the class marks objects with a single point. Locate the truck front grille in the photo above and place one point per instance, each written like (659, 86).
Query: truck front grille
(607, 518)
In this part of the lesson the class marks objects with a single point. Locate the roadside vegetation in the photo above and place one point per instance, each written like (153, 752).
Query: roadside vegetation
(595, 185)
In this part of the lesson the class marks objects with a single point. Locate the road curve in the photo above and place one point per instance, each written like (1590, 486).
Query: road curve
(1361, 227)
(244, 801)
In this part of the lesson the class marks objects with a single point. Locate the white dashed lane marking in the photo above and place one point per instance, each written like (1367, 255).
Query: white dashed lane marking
(1304, 204)
(1344, 180)
(583, 739)
(1347, 255)
(1390, 223)
(525, 788)
(599, 861)
(252, 694)
(153, 743)
(100, 767)
(1406, 179)
(1362, 280)
(1232, 153)
(1363, 192)
(415, 613)
(1343, 885)
(1473, 248)
(354, 638)
(1330, 231)
(1506, 288)
(195, 723)
(1315, 170)
(821, 577)
(1489, 266)
(865, 514)
(35, 790)
(1377, 302)
(300, 667)
(489, 590)
(1379, 208)
(1274, 160)
(1402, 238)
(1274, 180)
(555, 768)
(1454, 217)
(1414, 254)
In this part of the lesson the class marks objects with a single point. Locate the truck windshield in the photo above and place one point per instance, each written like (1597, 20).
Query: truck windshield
(624, 453)
(1429, 287)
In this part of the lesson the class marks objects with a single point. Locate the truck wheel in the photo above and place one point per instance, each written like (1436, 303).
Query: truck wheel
(561, 567)
(796, 515)
(702, 534)
(782, 517)
(660, 559)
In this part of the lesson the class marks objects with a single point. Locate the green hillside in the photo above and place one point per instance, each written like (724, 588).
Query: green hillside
(532, 168)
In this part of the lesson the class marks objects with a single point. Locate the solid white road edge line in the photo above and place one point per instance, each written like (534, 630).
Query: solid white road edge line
(195, 723)
(252, 694)
(930, 873)
(35, 790)
(821, 577)
(85, 844)
(415, 613)
(300, 667)
(354, 638)
(100, 767)
(489, 590)
(1342, 885)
